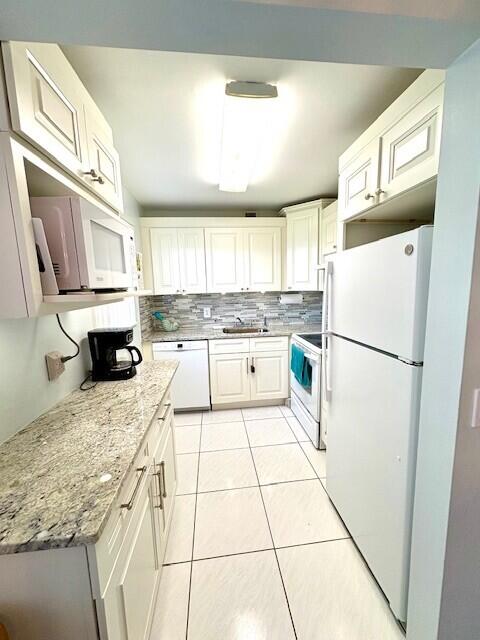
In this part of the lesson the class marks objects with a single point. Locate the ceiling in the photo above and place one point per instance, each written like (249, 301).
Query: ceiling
(166, 111)
(446, 10)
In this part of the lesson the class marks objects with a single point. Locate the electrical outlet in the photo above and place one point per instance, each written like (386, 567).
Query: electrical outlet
(55, 366)
(207, 312)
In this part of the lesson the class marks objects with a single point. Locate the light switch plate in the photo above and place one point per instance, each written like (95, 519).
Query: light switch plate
(207, 312)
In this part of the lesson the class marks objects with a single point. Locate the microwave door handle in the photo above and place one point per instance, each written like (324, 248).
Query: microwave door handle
(133, 350)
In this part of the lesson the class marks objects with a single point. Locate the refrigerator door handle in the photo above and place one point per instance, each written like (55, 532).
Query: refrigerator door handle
(326, 332)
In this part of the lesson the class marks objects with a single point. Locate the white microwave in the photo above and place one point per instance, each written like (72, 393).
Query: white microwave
(89, 248)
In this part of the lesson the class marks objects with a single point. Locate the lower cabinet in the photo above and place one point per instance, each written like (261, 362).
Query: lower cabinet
(256, 370)
(139, 580)
(229, 378)
(106, 590)
(269, 375)
(125, 606)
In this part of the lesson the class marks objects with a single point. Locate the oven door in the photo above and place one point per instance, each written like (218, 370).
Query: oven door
(105, 247)
(309, 397)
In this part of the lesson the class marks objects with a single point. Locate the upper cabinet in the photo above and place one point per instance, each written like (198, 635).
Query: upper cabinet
(411, 148)
(194, 255)
(241, 259)
(263, 259)
(302, 250)
(303, 245)
(399, 152)
(103, 172)
(358, 181)
(50, 107)
(178, 261)
(328, 231)
(225, 263)
(46, 102)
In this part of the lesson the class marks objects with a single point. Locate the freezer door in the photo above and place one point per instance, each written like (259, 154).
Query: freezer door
(371, 454)
(378, 293)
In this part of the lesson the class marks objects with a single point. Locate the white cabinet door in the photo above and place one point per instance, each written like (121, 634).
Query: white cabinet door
(358, 183)
(138, 584)
(269, 375)
(168, 476)
(46, 102)
(302, 250)
(191, 253)
(225, 260)
(329, 230)
(165, 263)
(263, 259)
(410, 149)
(103, 160)
(229, 378)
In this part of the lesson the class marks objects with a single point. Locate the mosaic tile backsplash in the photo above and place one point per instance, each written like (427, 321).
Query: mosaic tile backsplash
(250, 307)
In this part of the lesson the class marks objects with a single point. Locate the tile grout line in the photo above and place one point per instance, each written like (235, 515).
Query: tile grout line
(193, 536)
(273, 542)
(244, 553)
(252, 486)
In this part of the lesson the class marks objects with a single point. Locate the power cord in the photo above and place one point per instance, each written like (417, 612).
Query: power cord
(67, 358)
(92, 386)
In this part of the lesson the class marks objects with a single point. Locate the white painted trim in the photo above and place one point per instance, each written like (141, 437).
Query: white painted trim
(201, 222)
(321, 203)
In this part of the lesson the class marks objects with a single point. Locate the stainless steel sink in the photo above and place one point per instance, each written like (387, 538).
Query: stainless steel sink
(244, 330)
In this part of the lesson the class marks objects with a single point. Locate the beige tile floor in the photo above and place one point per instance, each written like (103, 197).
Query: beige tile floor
(256, 550)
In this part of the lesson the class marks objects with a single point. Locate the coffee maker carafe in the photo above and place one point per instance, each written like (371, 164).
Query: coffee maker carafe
(104, 344)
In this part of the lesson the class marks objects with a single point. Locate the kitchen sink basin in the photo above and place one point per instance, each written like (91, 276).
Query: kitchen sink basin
(244, 330)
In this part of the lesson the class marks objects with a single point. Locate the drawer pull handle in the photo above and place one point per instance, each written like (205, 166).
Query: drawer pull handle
(162, 468)
(160, 490)
(167, 406)
(128, 505)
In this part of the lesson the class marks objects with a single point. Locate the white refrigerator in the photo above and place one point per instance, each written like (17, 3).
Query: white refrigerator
(376, 298)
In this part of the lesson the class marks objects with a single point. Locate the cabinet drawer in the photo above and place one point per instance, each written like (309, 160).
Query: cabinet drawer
(269, 344)
(108, 548)
(161, 421)
(230, 345)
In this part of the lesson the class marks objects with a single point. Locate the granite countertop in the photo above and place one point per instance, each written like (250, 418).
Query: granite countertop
(216, 333)
(50, 490)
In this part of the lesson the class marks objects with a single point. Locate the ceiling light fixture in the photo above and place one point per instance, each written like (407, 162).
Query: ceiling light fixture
(245, 119)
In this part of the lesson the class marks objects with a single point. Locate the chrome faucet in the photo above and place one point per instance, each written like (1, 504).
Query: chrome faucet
(239, 320)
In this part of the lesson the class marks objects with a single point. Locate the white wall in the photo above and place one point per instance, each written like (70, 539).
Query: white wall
(444, 600)
(25, 391)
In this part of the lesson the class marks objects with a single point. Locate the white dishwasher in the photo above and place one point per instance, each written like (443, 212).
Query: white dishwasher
(191, 383)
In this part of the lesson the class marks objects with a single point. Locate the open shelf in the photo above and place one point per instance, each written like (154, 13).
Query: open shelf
(71, 301)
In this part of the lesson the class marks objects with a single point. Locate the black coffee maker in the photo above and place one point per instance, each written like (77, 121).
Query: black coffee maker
(104, 344)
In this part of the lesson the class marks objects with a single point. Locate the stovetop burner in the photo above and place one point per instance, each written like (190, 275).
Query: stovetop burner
(313, 338)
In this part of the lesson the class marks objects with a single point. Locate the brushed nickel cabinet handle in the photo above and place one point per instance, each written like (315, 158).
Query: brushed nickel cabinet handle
(369, 196)
(164, 414)
(162, 468)
(98, 179)
(92, 173)
(158, 474)
(128, 505)
(379, 192)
